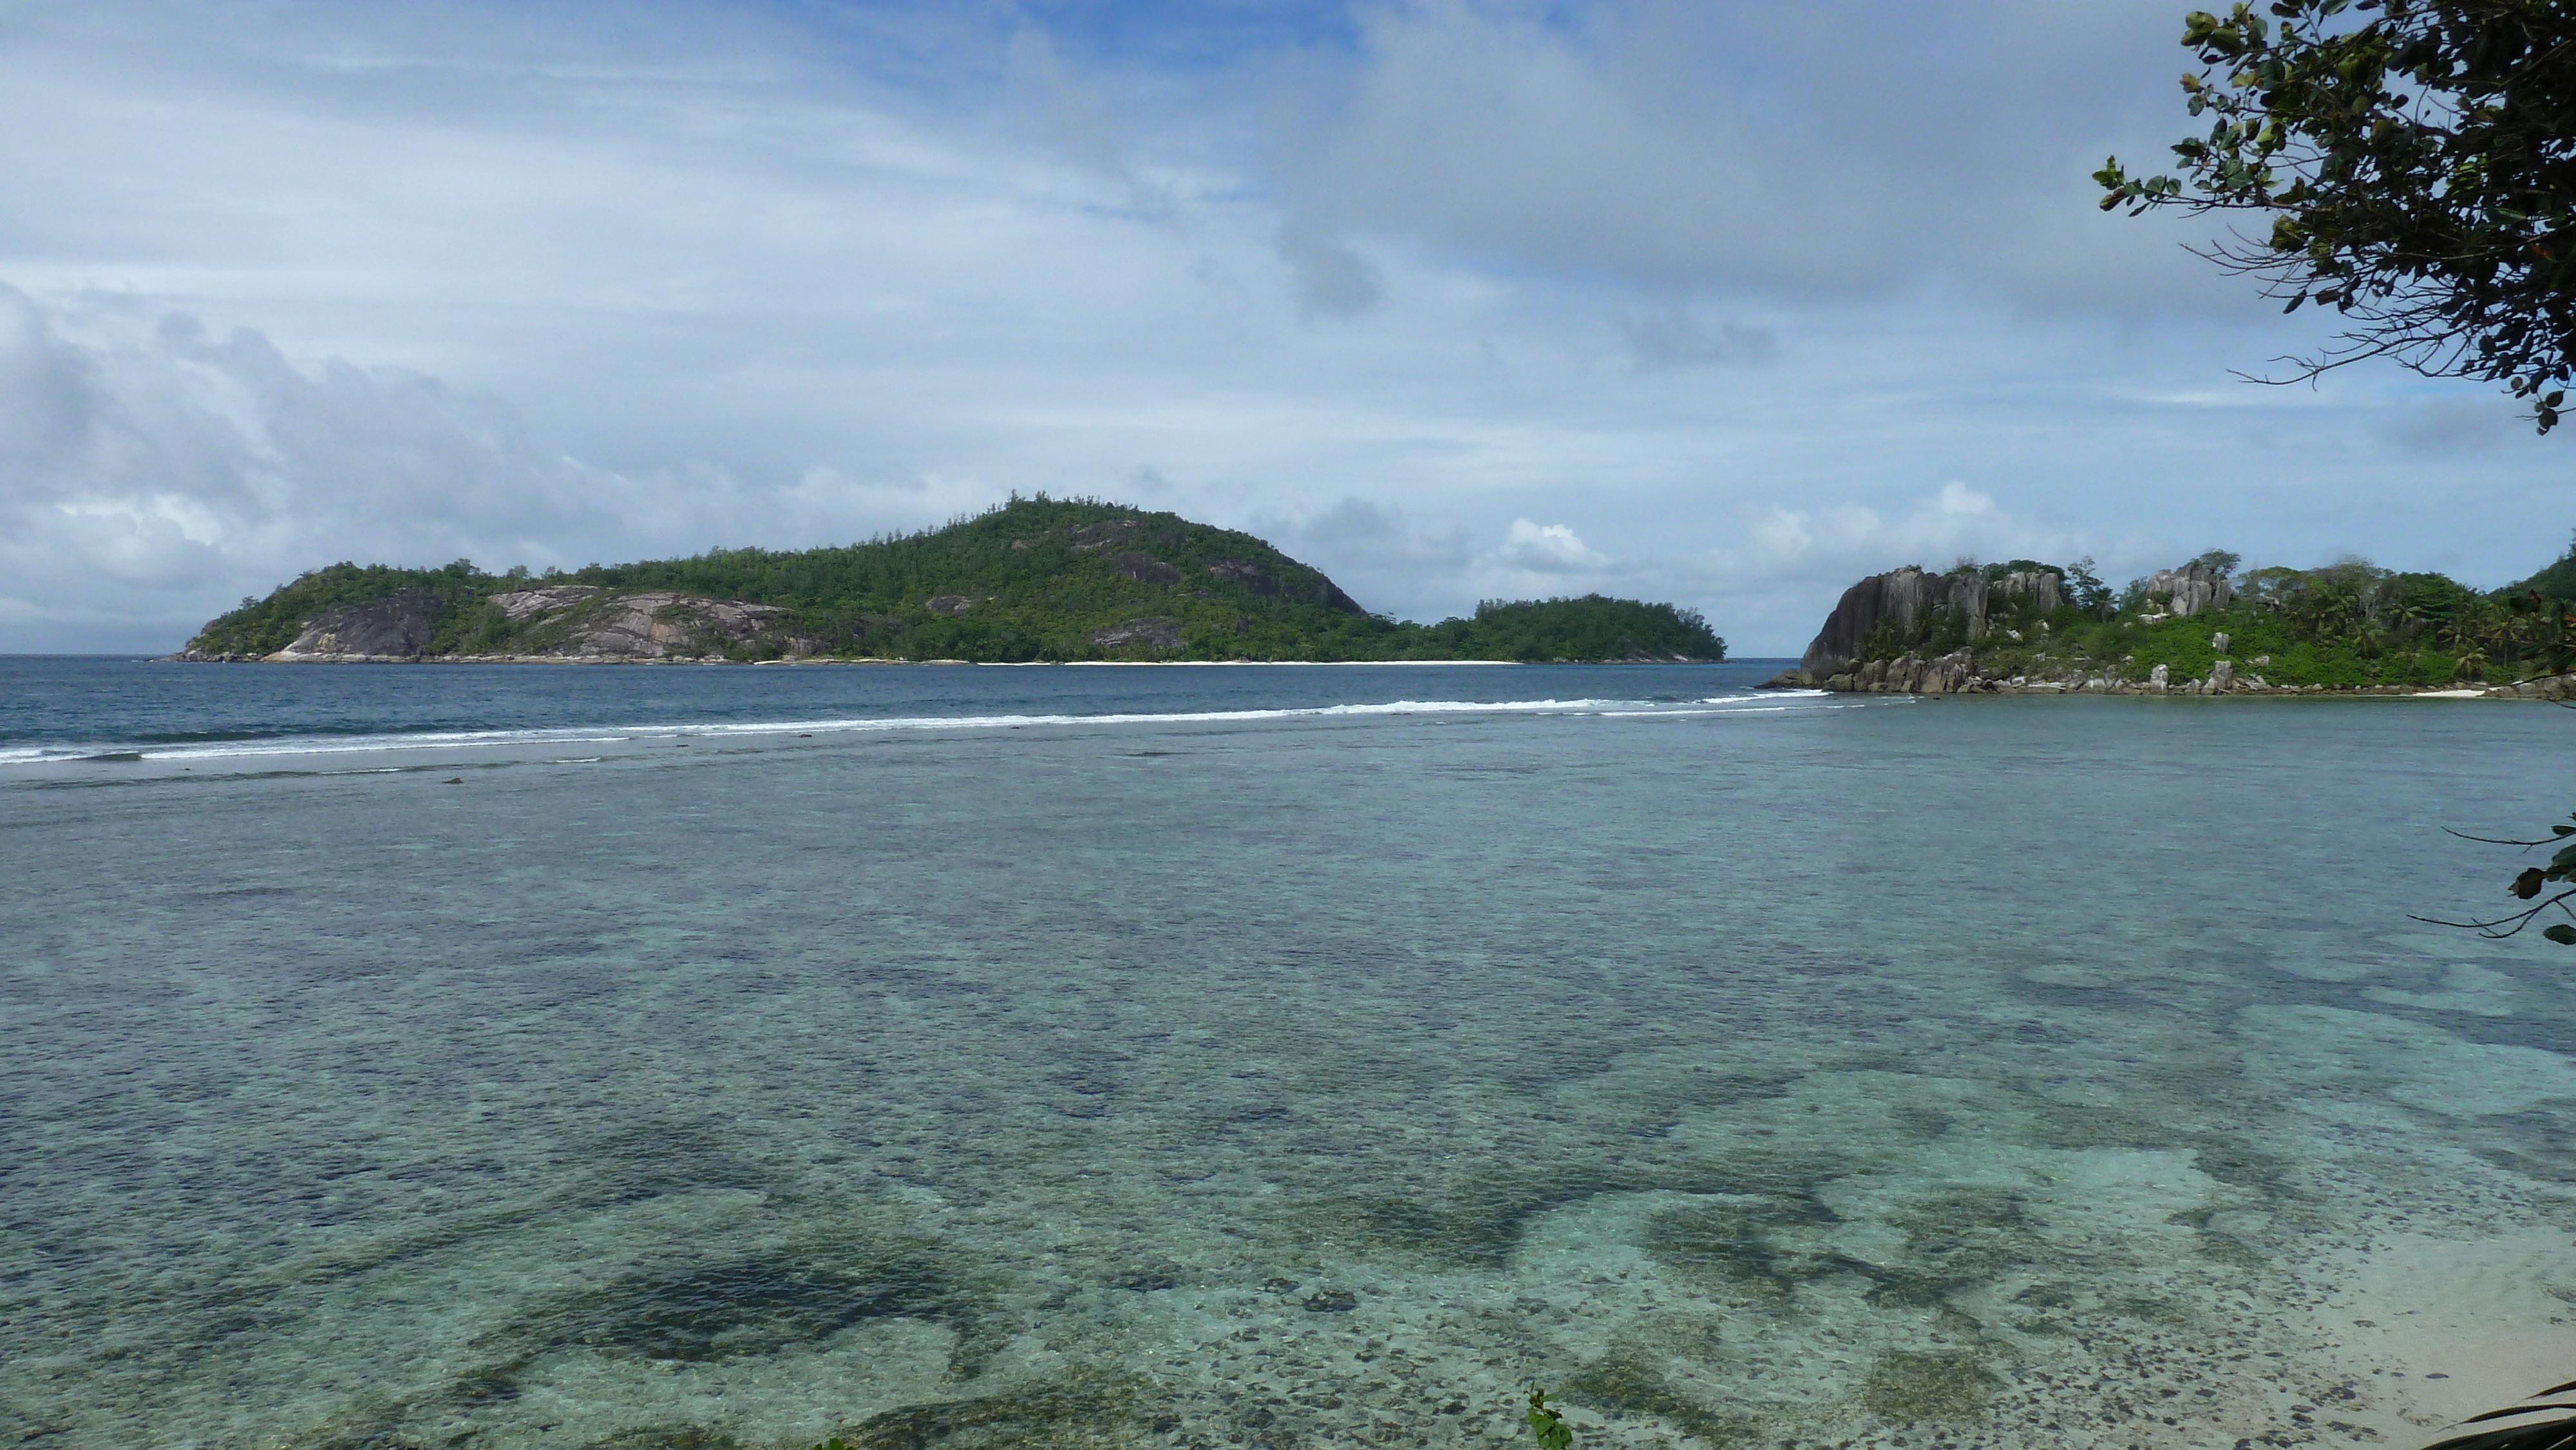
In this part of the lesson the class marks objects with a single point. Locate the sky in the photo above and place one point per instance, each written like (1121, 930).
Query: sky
(1721, 303)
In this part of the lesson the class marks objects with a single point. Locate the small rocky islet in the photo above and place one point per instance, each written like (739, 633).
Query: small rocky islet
(2197, 629)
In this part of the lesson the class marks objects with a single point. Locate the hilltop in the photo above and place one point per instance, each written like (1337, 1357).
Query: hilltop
(1032, 580)
(2200, 628)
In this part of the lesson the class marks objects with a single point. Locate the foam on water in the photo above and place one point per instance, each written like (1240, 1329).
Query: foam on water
(451, 739)
(2017, 1072)
(58, 710)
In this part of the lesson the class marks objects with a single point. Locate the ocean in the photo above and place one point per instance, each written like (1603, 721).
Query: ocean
(1263, 1056)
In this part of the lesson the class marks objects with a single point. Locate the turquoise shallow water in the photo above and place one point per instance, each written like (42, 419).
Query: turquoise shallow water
(1783, 1069)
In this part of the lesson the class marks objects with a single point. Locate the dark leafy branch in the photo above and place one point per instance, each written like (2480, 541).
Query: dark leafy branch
(2554, 1430)
(2417, 162)
(2526, 886)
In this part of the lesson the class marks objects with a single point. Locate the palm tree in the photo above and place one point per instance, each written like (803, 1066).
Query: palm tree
(2413, 614)
(2467, 629)
(2328, 607)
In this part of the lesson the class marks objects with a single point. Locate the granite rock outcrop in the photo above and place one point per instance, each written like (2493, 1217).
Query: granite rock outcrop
(592, 623)
(568, 622)
(398, 626)
(1909, 596)
(1889, 634)
(1149, 633)
(2195, 588)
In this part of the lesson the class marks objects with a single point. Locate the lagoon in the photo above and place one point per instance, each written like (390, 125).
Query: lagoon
(1262, 1057)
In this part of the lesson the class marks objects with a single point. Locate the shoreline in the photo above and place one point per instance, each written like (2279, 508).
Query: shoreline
(1956, 674)
(817, 660)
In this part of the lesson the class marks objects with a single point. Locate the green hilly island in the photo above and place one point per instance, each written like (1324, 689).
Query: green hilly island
(1036, 579)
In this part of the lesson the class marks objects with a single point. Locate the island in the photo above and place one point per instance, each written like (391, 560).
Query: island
(2201, 628)
(1034, 580)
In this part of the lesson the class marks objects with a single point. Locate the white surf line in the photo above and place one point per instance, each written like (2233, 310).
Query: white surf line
(597, 735)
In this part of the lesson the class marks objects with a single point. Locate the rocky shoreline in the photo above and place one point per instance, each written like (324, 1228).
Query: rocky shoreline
(1957, 673)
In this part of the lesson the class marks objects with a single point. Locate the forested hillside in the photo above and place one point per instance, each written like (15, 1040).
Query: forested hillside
(1033, 580)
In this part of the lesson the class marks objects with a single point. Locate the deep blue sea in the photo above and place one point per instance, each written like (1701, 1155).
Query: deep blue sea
(589, 1057)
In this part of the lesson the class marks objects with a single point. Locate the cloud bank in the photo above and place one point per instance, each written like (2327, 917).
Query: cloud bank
(1716, 302)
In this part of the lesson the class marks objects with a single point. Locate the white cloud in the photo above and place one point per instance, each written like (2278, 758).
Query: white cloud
(1956, 521)
(1547, 549)
(151, 474)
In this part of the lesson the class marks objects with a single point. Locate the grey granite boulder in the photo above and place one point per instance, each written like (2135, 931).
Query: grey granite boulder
(655, 624)
(1905, 595)
(396, 627)
(2045, 589)
(2192, 589)
(1149, 633)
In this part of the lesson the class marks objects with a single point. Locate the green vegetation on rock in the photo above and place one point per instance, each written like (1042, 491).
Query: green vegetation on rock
(263, 626)
(2344, 626)
(1033, 580)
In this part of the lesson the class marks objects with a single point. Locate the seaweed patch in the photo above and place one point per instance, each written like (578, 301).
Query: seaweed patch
(1076, 1411)
(1907, 1387)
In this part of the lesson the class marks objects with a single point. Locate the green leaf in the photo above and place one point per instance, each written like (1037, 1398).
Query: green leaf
(1546, 1424)
(2563, 934)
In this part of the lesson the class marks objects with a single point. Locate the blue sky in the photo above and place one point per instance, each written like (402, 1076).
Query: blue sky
(1725, 304)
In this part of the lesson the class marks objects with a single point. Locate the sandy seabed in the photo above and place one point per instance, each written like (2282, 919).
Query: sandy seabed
(2002, 1075)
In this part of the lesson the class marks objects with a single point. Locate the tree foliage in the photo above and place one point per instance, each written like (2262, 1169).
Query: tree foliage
(1035, 579)
(264, 626)
(1591, 627)
(2417, 161)
(2348, 624)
